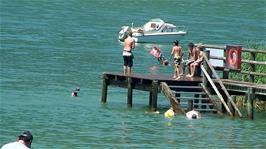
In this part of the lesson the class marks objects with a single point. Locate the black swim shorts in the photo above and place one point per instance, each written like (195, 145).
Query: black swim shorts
(177, 61)
(128, 61)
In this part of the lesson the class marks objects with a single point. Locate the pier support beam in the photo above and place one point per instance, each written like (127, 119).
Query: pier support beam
(154, 95)
(223, 108)
(232, 109)
(104, 88)
(190, 105)
(250, 104)
(129, 91)
(150, 99)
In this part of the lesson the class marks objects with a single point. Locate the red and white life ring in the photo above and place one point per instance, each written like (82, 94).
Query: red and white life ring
(232, 57)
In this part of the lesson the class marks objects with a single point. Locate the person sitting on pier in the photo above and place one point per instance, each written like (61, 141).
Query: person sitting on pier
(196, 63)
(177, 52)
(129, 45)
(191, 57)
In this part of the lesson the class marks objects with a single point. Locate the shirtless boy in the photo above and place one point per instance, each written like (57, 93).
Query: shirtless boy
(129, 45)
(176, 52)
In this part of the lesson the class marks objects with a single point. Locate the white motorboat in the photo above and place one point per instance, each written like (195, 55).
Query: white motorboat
(156, 30)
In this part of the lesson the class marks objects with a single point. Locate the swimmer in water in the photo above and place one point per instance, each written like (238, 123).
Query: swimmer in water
(75, 92)
(193, 114)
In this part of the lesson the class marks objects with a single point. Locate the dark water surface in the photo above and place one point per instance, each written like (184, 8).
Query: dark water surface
(50, 47)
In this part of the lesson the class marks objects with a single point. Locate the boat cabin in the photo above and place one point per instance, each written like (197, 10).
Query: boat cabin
(158, 25)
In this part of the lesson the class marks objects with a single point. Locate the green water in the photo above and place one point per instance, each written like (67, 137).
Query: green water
(50, 47)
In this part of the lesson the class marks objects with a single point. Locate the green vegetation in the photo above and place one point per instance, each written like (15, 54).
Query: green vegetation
(247, 67)
(259, 105)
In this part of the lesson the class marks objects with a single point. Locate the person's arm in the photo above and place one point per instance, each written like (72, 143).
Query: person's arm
(133, 44)
(200, 57)
(172, 52)
(180, 52)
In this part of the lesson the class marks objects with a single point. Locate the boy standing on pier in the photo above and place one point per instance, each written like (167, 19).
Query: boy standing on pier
(129, 45)
(177, 53)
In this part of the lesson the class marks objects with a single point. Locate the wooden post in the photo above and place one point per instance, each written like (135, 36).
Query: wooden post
(252, 67)
(129, 91)
(150, 99)
(250, 105)
(225, 71)
(196, 100)
(104, 88)
(178, 97)
(226, 101)
(154, 90)
(231, 106)
(190, 105)
(205, 65)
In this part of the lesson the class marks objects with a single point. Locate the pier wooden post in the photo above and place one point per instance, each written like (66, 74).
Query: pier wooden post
(190, 105)
(252, 67)
(250, 104)
(150, 99)
(205, 80)
(129, 92)
(226, 101)
(225, 71)
(104, 88)
(154, 93)
(232, 109)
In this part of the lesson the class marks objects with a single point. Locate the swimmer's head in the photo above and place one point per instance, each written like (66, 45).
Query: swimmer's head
(77, 89)
(165, 62)
(191, 45)
(194, 116)
(129, 33)
(176, 42)
(74, 94)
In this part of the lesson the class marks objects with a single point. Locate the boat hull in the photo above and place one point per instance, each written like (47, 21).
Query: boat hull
(158, 37)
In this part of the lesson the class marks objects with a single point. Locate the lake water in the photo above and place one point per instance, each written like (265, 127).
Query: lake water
(48, 48)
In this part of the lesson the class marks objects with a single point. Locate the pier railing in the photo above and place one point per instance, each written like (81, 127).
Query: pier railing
(252, 62)
(250, 88)
(207, 78)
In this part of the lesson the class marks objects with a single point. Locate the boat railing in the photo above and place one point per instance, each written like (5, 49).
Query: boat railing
(181, 28)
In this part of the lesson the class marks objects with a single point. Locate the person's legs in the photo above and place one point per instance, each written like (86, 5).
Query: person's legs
(196, 69)
(129, 71)
(130, 64)
(189, 69)
(193, 66)
(125, 70)
(174, 76)
(177, 71)
(125, 65)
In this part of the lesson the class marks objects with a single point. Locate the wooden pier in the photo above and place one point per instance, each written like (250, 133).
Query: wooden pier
(149, 83)
(198, 92)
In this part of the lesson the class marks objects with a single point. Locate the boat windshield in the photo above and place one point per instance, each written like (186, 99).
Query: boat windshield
(153, 25)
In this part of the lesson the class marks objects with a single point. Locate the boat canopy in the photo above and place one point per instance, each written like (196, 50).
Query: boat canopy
(153, 25)
(158, 25)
